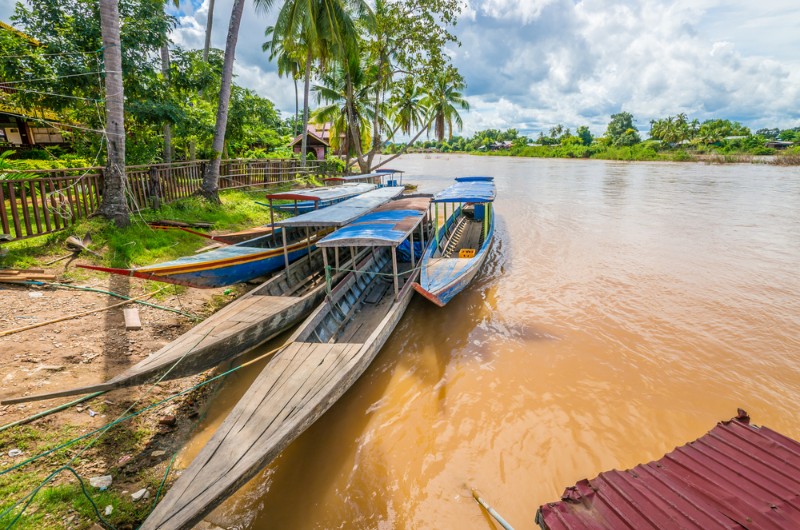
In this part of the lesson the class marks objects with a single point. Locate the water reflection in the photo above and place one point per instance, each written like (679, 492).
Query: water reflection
(624, 309)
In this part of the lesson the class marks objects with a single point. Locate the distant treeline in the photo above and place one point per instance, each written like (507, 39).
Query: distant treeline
(671, 138)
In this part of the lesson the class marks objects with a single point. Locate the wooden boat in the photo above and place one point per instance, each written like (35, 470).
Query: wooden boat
(256, 317)
(380, 177)
(224, 266)
(461, 244)
(325, 356)
(303, 201)
(299, 202)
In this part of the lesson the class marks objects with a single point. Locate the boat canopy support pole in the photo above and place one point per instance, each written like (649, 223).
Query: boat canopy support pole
(436, 223)
(308, 245)
(285, 254)
(272, 223)
(327, 270)
(336, 257)
(394, 271)
(413, 261)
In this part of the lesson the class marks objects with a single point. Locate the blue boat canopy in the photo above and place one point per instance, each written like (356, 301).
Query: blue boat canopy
(474, 179)
(326, 193)
(468, 191)
(388, 225)
(346, 211)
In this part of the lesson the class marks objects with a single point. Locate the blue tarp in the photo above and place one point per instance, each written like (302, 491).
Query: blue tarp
(467, 191)
(404, 251)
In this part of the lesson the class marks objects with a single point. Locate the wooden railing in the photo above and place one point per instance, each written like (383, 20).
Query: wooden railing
(46, 201)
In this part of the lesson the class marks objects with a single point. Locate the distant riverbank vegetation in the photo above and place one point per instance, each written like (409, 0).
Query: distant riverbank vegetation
(674, 138)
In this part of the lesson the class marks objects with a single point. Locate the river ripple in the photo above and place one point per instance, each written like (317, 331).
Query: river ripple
(625, 308)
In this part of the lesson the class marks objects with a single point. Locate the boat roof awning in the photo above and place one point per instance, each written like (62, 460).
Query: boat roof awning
(346, 211)
(468, 191)
(474, 179)
(388, 225)
(355, 178)
(325, 193)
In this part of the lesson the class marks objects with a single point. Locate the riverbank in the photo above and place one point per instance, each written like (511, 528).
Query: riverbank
(644, 152)
(136, 453)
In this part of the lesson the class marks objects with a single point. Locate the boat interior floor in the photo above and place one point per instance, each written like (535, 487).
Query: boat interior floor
(375, 303)
(468, 234)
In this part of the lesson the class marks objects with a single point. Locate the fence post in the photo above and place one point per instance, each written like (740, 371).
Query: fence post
(155, 188)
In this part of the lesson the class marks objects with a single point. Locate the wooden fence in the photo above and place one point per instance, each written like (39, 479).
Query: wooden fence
(52, 200)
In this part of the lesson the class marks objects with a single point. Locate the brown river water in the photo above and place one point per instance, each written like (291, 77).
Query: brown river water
(623, 310)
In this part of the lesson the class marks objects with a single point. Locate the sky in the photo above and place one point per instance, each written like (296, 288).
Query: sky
(532, 64)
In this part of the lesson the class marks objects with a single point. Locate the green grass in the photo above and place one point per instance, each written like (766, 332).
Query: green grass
(139, 244)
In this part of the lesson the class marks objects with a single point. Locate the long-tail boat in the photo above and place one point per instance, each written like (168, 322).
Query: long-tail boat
(297, 202)
(380, 177)
(324, 357)
(251, 320)
(462, 243)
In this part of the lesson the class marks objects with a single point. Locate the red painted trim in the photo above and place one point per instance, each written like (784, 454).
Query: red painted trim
(143, 275)
(427, 294)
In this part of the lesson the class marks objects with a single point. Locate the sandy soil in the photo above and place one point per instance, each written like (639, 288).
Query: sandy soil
(84, 350)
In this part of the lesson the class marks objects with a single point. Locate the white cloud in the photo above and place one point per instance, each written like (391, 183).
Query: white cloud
(577, 62)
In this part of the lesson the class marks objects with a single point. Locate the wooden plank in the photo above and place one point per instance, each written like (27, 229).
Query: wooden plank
(12, 197)
(132, 321)
(45, 209)
(35, 203)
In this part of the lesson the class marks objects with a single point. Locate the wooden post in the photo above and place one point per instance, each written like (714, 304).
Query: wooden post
(336, 257)
(422, 236)
(394, 270)
(155, 188)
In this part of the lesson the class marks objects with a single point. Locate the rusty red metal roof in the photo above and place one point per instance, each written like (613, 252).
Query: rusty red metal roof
(736, 476)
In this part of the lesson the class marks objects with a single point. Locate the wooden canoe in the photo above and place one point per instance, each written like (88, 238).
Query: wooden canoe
(242, 325)
(224, 266)
(324, 357)
(462, 243)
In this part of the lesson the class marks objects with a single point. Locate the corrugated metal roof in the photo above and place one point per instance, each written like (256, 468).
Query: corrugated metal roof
(736, 476)
(467, 191)
(388, 225)
(346, 211)
(325, 193)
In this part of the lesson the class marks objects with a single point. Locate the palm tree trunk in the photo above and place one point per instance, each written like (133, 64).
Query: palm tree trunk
(296, 106)
(209, 23)
(306, 91)
(115, 205)
(167, 124)
(210, 186)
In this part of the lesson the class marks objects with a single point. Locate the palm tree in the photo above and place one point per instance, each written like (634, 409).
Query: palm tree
(349, 107)
(115, 205)
(288, 62)
(209, 24)
(210, 187)
(324, 29)
(406, 106)
(441, 101)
